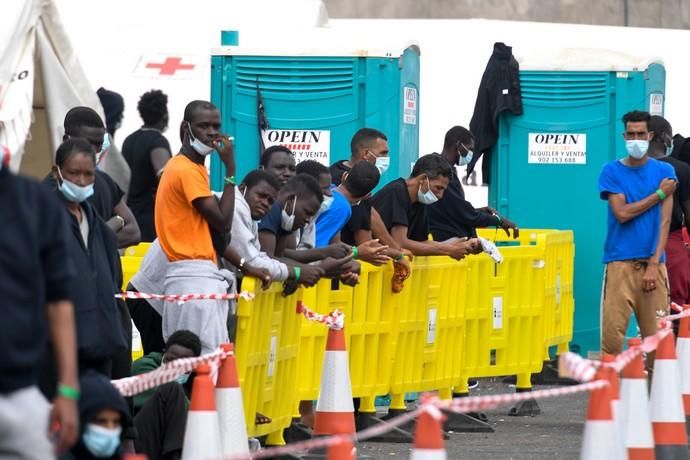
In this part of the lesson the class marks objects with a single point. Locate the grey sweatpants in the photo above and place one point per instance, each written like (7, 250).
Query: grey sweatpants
(24, 425)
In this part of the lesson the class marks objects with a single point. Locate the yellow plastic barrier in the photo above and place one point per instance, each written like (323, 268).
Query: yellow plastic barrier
(137, 251)
(430, 331)
(369, 325)
(268, 329)
(504, 316)
(557, 290)
(130, 266)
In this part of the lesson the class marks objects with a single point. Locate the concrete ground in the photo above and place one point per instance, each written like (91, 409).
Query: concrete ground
(555, 434)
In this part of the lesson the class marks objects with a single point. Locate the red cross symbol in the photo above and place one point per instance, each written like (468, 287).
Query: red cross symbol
(170, 66)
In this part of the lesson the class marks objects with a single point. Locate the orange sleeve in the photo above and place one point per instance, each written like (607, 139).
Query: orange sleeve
(195, 184)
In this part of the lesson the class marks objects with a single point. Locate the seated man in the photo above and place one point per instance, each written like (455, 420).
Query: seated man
(103, 413)
(279, 162)
(181, 344)
(257, 194)
(402, 207)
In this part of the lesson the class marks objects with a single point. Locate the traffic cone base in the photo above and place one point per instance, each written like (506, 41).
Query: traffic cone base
(342, 451)
(669, 433)
(671, 452)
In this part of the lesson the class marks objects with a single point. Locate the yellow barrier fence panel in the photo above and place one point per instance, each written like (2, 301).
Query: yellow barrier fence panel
(267, 343)
(559, 302)
(504, 316)
(369, 324)
(430, 333)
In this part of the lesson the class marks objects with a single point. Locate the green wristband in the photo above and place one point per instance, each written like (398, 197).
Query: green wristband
(355, 252)
(230, 180)
(662, 195)
(298, 272)
(400, 256)
(68, 392)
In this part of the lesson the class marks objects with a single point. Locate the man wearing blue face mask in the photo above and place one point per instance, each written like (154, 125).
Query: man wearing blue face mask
(103, 413)
(454, 216)
(639, 191)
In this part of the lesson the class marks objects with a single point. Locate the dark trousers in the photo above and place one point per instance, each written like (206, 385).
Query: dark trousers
(47, 377)
(160, 423)
(148, 322)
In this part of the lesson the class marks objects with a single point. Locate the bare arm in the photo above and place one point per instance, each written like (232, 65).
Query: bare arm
(625, 212)
(664, 225)
(217, 213)
(60, 316)
(379, 230)
(159, 158)
(418, 248)
(268, 243)
(129, 235)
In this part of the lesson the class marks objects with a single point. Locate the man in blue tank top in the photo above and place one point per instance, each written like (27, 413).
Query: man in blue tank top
(639, 191)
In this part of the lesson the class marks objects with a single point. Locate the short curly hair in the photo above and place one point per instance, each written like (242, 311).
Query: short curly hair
(153, 106)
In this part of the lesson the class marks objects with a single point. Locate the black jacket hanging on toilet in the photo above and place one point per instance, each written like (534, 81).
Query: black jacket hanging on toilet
(499, 91)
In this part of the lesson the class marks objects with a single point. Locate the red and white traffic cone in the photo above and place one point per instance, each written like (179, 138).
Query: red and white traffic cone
(428, 438)
(202, 433)
(637, 426)
(619, 440)
(335, 413)
(668, 419)
(233, 428)
(598, 439)
(683, 352)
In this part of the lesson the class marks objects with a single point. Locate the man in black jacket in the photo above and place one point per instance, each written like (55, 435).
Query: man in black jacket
(454, 216)
(36, 274)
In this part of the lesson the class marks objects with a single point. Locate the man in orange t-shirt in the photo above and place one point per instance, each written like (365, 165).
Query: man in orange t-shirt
(186, 213)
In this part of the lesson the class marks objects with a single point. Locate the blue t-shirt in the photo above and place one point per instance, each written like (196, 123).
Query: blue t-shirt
(271, 221)
(333, 220)
(637, 238)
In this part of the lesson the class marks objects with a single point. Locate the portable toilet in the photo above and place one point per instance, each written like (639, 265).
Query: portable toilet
(313, 103)
(546, 163)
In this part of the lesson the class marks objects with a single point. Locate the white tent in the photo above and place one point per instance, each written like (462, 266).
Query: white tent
(40, 79)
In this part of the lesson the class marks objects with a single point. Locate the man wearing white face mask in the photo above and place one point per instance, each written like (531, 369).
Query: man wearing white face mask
(454, 216)
(185, 213)
(402, 205)
(639, 191)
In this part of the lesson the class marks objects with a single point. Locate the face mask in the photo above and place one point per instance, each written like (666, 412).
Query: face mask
(466, 159)
(200, 148)
(287, 221)
(382, 164)
(427, 197)
(182, 379)
(73, 192)
(637, 149)
(669, 150)
(101, 442)
(326, 204)
(104, 149)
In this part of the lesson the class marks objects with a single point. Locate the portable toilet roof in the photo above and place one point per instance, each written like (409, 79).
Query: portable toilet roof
(584, 59)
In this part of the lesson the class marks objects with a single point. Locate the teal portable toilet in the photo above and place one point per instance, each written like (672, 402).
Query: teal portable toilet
(546, 163)
(314, 103)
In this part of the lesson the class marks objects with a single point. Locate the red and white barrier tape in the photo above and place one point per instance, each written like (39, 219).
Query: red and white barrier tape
(334, 320)
(168, 372)
(432, 404)
(182, 298)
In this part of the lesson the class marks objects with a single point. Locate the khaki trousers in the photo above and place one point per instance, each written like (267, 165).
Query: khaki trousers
(622, 294)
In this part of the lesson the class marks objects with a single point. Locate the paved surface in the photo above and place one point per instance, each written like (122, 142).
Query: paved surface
(555, 434)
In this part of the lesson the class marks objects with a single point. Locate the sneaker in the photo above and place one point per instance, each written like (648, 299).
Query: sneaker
(472, 384)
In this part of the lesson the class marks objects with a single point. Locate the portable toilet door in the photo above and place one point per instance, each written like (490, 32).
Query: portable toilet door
(547, 161)
(314, 103)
